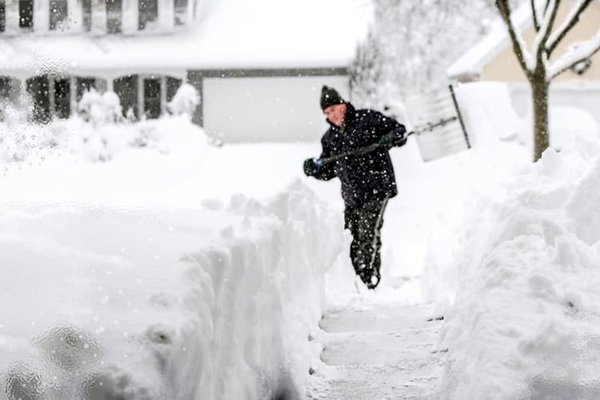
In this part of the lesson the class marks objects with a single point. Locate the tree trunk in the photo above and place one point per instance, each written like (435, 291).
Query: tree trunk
(541, 134)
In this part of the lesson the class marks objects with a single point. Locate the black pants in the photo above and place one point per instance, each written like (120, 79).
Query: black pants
(365, 225)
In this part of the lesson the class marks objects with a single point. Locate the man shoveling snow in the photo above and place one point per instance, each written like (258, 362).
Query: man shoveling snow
(355, 149)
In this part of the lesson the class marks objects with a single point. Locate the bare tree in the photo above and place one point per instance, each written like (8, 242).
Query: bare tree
(535, 61)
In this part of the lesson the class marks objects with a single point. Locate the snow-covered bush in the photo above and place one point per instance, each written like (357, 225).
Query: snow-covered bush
(100, 108)
(20, 141)
(185, 101)
(26, 142)
(16, 112)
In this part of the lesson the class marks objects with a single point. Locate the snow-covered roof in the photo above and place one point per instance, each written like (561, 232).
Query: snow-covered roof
(231, 34)
(496, 41)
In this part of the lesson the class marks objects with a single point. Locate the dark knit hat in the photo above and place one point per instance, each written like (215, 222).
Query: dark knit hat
(330, 97)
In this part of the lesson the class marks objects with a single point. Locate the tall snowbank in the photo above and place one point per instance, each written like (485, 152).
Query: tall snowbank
(130, 304)
(524, 321)
(266, 296)
(516, 277)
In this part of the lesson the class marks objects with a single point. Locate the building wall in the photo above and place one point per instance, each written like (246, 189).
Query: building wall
(504, 67)
(142, 95)
(236, 105)
(94, 17)
(265, 108)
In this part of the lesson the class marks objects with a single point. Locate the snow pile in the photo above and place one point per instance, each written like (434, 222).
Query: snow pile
(98, 139)
(571, 128)
(100, 108)
(488, 112)
(146, 276)
(268, 293)
(524, 321)
(150, 304)
(185, 101)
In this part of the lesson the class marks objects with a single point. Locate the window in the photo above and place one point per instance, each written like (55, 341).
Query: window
(5, 88)
(86, 15)
(9, 88)
(180, 12)
(39, 90)
(147, 13)
(173, 85)
(62, 97)
(127, 90)
(26, 13)
(114, 16)
(9, 93)
(84, 85)
(58, 14)
(152, 97)
(2, 16)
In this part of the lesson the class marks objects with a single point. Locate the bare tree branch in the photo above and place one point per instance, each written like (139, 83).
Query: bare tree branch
(536, 23)
(546, 6)
(594, 47)
(569, 23)
(504, 8)
(546, 28)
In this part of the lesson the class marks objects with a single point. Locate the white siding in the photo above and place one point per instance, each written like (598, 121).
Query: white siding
(12, 17)
(98, 17)
(267, 109)
(130, 16)
(166, 15)
(41, 15)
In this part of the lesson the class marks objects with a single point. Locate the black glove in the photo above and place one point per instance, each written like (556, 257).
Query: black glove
(312, 166)
(392, 139)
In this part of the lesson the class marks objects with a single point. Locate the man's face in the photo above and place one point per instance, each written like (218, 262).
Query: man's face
(336, 114)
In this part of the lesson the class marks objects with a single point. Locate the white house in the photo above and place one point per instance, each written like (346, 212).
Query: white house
(259, 65)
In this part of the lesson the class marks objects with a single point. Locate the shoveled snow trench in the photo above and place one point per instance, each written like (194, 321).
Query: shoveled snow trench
(211, 303)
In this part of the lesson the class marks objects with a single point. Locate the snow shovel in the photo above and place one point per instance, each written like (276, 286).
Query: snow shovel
(446, 136)
(357, 152)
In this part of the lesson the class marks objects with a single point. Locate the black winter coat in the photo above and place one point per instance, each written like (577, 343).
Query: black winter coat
(364, 177)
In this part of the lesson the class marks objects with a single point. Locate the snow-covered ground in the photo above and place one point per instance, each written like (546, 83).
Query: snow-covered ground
(155, 273)
(519, 284)
(141, 261)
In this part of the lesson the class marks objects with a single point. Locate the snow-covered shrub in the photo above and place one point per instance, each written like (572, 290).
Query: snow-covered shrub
(22, 381)
(100, 109)
(68, 348)
(19, 142)
(185, 101)
(16, 112)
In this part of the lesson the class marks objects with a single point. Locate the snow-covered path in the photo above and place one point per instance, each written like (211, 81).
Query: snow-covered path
(380, 351)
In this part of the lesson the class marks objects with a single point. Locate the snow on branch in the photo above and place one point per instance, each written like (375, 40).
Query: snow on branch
(577, 53)
(525, 60)
(568, 24)
(541, 38)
